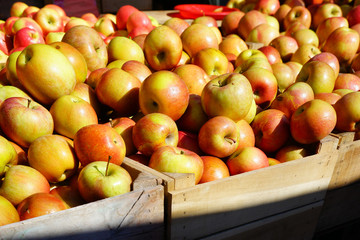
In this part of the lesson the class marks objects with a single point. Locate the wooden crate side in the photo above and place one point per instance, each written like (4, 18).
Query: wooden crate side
(132, 215)
(295, 224)
(341, 206)
(240, 199)
(347, 168)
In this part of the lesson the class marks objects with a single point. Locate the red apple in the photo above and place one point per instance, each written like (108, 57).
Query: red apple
(249, 21)
(214, 169)
(324, 11)
(326, 27)
(271, 53)
(286, 46)
(177, 24)
(347, 81)
(328, 58)
(230, 22)
(49, 20)
(347, 112)
(27, 36)
(194, 77)
(298, 14)
(268, 7)
(123, 14)
(247, 135)
(137, 69)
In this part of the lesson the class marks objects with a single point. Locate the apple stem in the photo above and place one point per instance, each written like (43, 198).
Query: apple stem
(111, 122)
(29, 101)
(107, 166)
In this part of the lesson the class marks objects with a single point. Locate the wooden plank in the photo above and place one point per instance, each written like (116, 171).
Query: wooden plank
(215, 206)
(295, 224)
(341, 206)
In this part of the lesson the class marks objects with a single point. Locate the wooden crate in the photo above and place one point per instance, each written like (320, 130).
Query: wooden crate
(138, 214)
(342, 200)
(194, 211)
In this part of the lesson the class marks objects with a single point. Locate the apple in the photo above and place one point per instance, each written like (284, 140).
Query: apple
(8, 25)
(21, 154)
(189, 141)
(331, 98)
(39, 204)
(233, 45)
(53, 157)
(194, 77)
(138, 69)
(271, 129)
(254, 109)
(98, 142)
(229, 95)
(268, 7)
(125, 49)
(284, 75)
(347, 113)
(99, 180)
(249, 21)
(11, 74)
(123, 14)
(230, 22)
(124, 126)
(312, 121)
(153, 131)
(8, 213)
(119, 90)
(21, 181)
(69, 194)
(304, 53)
(76, 21)
(52, 37)
(140, 158)
(306, 36)
(164, 92)
(138, 20)
(214, 169)
(60, 10)
(326, 27)
(328, 58)
(264, 85)
(6, 43)
(30, 11)
(26, 22)
(23, 120)
(212, 60)
(319, 75)
(7, 154)
(286, 46)
(45, 73)
(105, 26)
(293, 97)
(353, 16)
(247, 135)
(262, 33)
(17, 8)
(347, 81)
(206, 20)
(248, 54)
(94, 77)
(298, 14)
(163, 48)
(197, 37)
(85, 92)
(90, 17)
(27, 36)
(219, 136)
(49, 20)
(177, 160)
(271, 53)
(177, 24)
(8, 91)
(92, 47)
(324, 11)
(281, 13)
(291, 152)
(194, 116)
(247, 159)
(273, 161)
(70, 113)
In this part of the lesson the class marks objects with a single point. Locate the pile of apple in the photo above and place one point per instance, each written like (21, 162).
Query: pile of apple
(78, 94)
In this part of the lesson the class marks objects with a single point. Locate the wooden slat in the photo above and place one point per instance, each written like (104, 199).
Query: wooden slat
(295, 224)
(215, 206)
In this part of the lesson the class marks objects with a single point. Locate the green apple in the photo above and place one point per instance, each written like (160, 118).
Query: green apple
(99, 180)
(123, 48)
(7, 154)
(9, 91)
(212, 60)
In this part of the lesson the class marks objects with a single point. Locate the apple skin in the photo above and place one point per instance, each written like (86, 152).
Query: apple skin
(39, 204)
(189, 141)
(94, 77)
(268, 7)
(9, 91)
(343, 42)
(163, 48)
(197, 37)
(271, 129)
(263, 33)
(246, 134)
(306, 36)
(353, 16)
(26, 22)
(123, 14)
(247, 159)
(214, 169)
(49, 20)
(76, 21)
(194, 116)
(298, 14)
(70, 113)
(68, 194)
(125, 49)
(264, 85)
(90, 17)
(249, 21)
(212, 60)
(105, 26)
(312, 121)
(164, 92)
(328, 58)
(248, 54)
(17, 8)
(294, 96)
(324, 11)
(54, 37)
(86, 93)
(138, 20)
(153, 131)
(281, 13)
(347, 113)
(347, 81)
(92, 47)
(124, 126)
(326, 27)
(219, 136)
(230, 22)
(8, 213)
(119, 90)
(291, 152)
(21, 181)
(177, 160)
(319, 75)
(228, 95)
(304, 53)
(233, 45)
(76, 59)
(286, 45)
(7, 154)
(45, 73)
(271, 53)
(24, 120)
(30, 11)
(284, 75)
(97, 142)
(95, 183)
(27, 36)
(331, 98)
(53, 157)
(177, 24)
(137, 69)
(194, 77)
